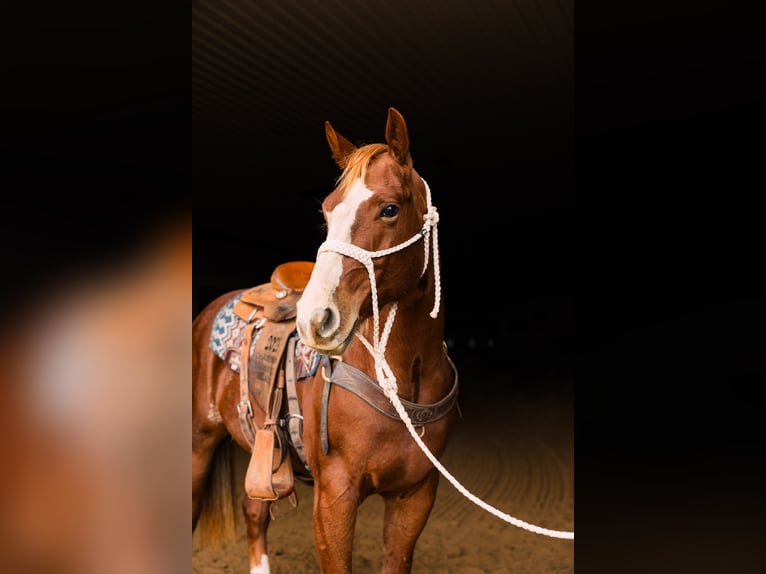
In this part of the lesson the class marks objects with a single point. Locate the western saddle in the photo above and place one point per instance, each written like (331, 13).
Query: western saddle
(267, 373)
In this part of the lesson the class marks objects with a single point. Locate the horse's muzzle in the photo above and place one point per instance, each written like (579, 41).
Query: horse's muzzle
(322, 331)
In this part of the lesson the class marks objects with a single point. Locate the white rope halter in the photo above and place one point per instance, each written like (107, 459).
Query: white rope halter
(430, 219)
(377, 348)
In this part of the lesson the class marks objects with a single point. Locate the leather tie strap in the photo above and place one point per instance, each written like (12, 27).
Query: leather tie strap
(327, 376)
(294, 417)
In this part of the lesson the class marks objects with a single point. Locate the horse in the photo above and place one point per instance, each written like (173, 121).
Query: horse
(371, 312)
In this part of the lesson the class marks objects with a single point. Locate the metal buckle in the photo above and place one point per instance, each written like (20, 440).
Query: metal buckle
(248, 405)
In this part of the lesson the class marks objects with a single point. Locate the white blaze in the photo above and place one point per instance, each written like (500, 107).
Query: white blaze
(328, 267)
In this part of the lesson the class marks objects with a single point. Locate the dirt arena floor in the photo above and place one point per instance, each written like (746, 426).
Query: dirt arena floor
(513, 449)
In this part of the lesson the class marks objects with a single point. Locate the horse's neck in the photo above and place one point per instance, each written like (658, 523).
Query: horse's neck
(415, 352)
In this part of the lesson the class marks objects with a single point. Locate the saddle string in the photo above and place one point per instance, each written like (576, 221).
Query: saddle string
(377, 348)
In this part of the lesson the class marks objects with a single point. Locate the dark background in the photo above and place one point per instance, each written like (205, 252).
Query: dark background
(633, 274)
(652, 113)
(487, 90)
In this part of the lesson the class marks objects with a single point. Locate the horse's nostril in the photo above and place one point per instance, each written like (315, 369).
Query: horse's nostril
(319, 316)
(323, 321)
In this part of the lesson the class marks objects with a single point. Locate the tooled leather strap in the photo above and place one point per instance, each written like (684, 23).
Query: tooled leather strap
(261, 360)
(266, 359)
(363, 386)
(245, 407)
(359, 383)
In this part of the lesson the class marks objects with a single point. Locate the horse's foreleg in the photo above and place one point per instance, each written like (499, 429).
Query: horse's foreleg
(404, 519)
(257, 522)
(334, 522)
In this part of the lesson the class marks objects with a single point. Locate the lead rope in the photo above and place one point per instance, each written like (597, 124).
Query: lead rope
(377, 349)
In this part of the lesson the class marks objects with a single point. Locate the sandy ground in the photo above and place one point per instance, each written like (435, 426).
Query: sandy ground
(515, 452)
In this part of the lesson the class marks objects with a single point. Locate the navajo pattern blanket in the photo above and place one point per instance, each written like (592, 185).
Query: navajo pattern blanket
(226, 337)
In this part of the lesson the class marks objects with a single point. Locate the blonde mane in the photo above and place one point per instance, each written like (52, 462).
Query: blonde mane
(358, 161)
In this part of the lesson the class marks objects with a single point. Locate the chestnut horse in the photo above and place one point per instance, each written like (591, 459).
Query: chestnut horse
(372, 303)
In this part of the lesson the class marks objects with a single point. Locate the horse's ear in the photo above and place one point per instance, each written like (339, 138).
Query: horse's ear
(340, 146)
(396, 136)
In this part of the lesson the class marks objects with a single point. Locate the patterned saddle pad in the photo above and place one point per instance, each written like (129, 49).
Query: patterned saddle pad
(226, 337)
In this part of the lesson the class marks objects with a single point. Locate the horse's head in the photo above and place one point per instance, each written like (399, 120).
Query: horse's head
(379, 204)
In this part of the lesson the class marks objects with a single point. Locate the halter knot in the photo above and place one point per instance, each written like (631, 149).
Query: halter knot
(431, 218)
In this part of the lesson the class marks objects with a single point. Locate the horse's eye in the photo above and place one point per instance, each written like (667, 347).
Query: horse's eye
(389, 211)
